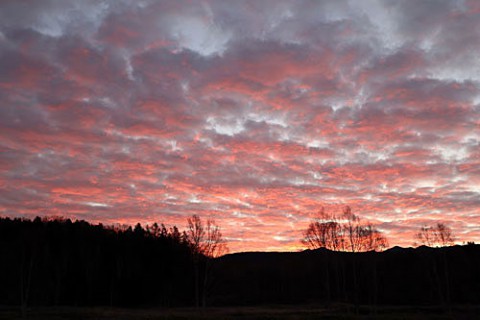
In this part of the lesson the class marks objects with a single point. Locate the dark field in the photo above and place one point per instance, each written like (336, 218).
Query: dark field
(263, 313)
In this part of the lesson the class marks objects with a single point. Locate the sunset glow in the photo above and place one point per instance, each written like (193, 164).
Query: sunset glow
(253, 113)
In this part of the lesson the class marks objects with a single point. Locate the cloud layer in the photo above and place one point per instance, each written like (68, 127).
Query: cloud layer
(253, 113)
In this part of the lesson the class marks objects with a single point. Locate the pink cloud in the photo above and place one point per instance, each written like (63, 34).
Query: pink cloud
(255, 115)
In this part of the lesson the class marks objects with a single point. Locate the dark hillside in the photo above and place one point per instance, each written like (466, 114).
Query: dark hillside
(422, 276)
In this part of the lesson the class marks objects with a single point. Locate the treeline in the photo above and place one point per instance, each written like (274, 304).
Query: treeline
(52, 262)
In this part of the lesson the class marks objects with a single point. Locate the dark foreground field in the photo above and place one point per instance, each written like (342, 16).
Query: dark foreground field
(263, 313)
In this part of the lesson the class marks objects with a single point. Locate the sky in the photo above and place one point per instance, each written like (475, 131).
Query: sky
(253, 113)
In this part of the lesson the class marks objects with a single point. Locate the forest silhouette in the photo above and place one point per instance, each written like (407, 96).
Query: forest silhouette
(59, 262)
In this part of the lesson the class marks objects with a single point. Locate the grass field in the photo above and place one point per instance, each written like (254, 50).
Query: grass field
(260, 313)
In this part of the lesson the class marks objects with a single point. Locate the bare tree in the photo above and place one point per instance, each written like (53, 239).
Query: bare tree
(206, 239)
(206, 242)
(324, 232)
(444, 235)
(343, 233)
(373, 239)
(439, 235)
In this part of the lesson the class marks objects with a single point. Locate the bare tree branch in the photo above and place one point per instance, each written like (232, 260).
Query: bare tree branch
(344, 233)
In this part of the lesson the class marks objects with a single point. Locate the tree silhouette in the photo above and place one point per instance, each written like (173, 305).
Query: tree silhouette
(439, 235)
(55, 262)
(59, 262)
(343, 233)
(207, 243)
(324, 232)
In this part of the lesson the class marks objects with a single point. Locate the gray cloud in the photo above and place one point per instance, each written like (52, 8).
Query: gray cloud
(255, 113)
